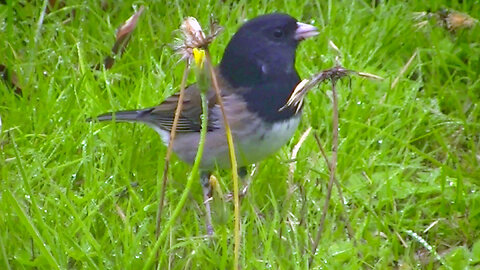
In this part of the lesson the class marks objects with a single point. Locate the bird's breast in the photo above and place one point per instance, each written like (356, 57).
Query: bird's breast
(265, 140)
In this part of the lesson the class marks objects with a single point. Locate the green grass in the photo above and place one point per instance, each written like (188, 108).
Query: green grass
(84, 195)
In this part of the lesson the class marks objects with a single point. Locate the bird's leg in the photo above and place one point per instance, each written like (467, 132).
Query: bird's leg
(207, 190)
(243, 173)
(246, 179)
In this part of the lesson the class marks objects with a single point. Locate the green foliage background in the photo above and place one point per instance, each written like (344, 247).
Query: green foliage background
(84, 195)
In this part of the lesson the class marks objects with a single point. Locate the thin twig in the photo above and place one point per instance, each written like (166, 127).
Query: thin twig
(339, 188)
(404, 244)
(170, 148)
(333, 167)
(404, 69)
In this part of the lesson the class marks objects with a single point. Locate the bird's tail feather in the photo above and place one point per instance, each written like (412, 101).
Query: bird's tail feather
(143, 116)
(124, 116)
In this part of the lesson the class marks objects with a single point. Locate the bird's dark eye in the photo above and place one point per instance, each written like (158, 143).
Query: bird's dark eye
(278, 33)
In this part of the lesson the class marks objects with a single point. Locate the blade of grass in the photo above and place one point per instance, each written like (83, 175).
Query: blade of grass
(428, 247)
(293, 165)
(32, 231)
(26, 184)
(4, 254)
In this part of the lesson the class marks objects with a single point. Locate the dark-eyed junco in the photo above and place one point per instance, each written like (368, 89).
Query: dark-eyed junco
(256, 76)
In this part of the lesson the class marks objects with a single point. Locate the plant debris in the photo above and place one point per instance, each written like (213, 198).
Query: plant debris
(124, 32)
(333, 74)
(450, 19)
(193, 36)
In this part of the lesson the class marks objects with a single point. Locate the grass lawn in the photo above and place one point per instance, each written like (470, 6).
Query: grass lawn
(84, 195)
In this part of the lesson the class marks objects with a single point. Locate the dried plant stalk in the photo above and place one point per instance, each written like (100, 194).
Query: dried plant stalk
(233, 162)
(296, 101)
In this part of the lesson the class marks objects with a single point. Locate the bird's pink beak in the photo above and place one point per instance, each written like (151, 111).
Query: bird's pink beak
(305, 31)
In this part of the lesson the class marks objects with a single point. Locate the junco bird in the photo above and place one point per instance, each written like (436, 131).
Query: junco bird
(256, 76)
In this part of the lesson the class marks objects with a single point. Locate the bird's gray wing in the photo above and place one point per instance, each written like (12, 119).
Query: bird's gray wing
(163, 114)
(190, 117)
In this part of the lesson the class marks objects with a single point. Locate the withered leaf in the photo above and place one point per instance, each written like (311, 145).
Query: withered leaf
(124, 32)
(455, 20)
(450, 19)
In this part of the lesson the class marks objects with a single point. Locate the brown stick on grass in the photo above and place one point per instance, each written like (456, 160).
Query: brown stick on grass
(339, 188)
(233, 162)
(333, 167)
(170, 148)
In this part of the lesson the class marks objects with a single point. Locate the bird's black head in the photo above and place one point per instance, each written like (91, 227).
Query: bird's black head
(263, 48)
(260, 59)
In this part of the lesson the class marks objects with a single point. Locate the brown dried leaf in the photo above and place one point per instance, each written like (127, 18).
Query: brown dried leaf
(11, 79)
(124, 32)
(450, 19)
(455, 20)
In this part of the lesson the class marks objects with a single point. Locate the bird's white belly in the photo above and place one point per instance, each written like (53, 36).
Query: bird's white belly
(265, 141)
